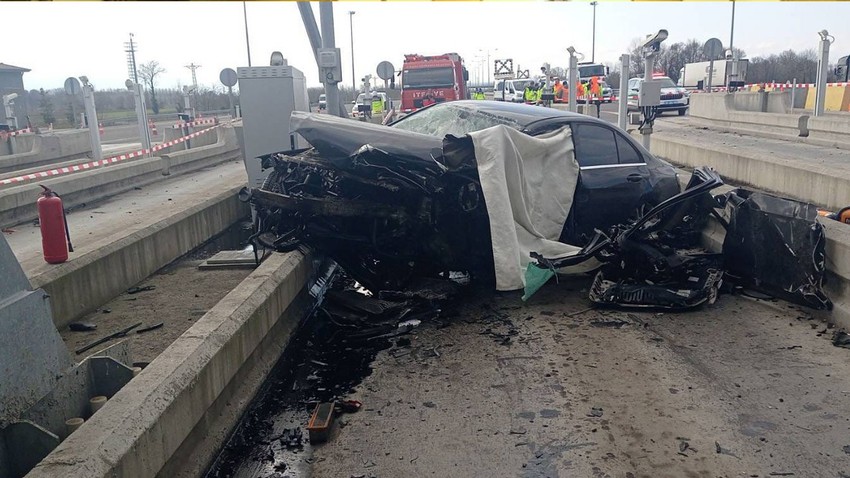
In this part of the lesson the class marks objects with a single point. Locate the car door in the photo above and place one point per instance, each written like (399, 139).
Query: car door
(613, 179)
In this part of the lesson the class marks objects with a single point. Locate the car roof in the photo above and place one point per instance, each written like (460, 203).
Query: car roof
(519, 113)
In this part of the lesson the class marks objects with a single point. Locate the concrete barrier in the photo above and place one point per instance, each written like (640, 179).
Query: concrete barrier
(837, 98)
(831, 130)
(43, 149)
(152, 423)
(815, 182)
(111, 266)
(18, 203)
(719, 109)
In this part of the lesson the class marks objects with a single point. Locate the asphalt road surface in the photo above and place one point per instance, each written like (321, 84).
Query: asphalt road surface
(548, 388)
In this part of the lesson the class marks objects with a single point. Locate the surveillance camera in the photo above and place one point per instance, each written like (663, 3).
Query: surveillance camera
(653, 42)
(571, 50)
(129, 84)
(84, 79)
(728, 54)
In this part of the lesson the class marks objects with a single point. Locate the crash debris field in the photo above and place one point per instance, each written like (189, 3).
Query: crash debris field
(457, 338)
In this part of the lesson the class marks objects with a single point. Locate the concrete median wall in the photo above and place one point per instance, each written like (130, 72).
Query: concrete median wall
(837, 98)
(18, 203)
(178, 398)
(80, 286)
(724, 110)
(43, 149)
(806, 181)
(832, 129)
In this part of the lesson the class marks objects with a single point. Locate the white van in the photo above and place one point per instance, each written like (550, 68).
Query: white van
(512, 90)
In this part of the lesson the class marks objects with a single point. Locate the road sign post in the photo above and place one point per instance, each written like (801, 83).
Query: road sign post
(91, 114)
(228, 78)
(622, 106)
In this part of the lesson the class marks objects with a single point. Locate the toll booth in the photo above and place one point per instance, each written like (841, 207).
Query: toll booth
(268, 95)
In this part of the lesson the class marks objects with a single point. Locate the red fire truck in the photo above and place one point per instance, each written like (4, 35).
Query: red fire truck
(432, 79)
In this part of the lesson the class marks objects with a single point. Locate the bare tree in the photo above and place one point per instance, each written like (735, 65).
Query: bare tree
(148, 73)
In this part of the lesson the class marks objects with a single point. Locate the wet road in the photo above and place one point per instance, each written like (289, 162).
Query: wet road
(744, 387)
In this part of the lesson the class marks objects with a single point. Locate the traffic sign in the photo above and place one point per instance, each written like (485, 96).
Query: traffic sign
(72, 86)
(713, 49)
(227, 77)
(385, 70)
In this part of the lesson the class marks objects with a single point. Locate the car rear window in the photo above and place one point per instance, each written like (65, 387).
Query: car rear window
(627, 153)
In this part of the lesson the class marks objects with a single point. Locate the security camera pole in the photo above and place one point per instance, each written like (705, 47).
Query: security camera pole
(823, 63)
(649, 95)
(573, 78)
(141, 112)
(91, 114)
(622, 106)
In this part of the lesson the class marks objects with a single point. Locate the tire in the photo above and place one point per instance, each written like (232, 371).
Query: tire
(682, 111)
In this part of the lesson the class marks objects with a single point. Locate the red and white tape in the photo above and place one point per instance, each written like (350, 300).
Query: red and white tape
(9, 134)
(195, 123)
(102, 162)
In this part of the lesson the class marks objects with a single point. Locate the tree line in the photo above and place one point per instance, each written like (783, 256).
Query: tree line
(774, 68)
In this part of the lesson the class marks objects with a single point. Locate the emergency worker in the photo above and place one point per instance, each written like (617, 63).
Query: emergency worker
(558, 89)
(528, 96)
(540, 87)
(580, 89)
(595, 89)
(377, 104)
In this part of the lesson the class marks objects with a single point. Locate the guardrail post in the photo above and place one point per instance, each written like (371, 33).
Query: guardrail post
(622, 106)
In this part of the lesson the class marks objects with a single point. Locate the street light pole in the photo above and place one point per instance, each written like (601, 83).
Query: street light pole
(351, 29)
(732, 32)
(593, 45)
(247, 41)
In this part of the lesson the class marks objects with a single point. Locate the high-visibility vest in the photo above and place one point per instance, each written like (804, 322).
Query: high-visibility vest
(580, 90)
(377, 106)
(540, 94)
(529, 94)
(594, 87)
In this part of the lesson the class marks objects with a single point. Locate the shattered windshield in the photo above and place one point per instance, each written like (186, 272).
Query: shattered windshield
(449, 119)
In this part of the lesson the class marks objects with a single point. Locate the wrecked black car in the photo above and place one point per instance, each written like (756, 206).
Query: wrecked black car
(392, 203)
(511, 195)
(770, 244)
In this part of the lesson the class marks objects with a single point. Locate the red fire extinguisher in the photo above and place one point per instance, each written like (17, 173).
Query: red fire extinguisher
(55, 237)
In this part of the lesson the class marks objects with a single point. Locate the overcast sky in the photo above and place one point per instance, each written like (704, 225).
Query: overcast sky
(57, 40)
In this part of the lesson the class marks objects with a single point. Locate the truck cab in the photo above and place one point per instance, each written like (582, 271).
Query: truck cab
(428, 80)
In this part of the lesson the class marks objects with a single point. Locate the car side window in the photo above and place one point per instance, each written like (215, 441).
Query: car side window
(594, 145)
(627, 153)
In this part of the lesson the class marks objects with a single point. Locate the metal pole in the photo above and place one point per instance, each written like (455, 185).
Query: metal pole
(793, 92)
(622, 106)
(351, 29)
(230, 99)
(593, 47)
(646, 130)
(247, 41)
(710, 75)
(91, 113)
(573, 75)
(312, 30)
(142, 115)
(326, 17)
(823, 64)
(732, 32)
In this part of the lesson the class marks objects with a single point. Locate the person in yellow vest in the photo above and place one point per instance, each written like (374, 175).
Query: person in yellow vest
(377, 104)
(539, 93)
(528, 96)
(478, 95)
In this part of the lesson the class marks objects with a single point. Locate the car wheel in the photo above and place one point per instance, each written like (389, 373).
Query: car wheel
(682, 112)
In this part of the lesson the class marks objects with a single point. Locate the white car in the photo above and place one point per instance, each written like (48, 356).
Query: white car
(364, 99)
(511, 90)
(673, 98)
